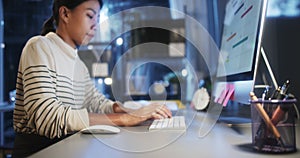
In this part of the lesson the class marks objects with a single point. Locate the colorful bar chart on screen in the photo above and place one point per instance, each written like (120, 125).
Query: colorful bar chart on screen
(247, 11)
(240, 42)
(239, 35)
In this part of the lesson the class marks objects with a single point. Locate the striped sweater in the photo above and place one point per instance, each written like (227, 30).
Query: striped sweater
(54, 92)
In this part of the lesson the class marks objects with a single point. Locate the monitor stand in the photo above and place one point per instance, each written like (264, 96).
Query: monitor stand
(269, 69)
(236, 114)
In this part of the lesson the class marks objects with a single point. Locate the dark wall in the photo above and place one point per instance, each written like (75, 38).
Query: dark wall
(22, 20)
(282, 44)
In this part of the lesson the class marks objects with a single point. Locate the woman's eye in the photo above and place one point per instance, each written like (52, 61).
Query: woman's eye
(90, 16)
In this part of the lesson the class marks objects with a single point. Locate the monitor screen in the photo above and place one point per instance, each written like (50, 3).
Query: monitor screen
(240, 48)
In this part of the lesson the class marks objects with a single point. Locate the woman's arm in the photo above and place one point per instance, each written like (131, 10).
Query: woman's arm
(38, 108)
(129, 117)
(117, 119)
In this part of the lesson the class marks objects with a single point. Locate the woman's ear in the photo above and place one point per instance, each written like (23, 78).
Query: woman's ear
(64, 14)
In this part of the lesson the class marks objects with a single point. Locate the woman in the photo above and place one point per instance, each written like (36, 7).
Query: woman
(55, 96)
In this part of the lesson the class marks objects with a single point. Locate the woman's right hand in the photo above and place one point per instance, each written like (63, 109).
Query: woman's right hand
(131, 117)
(152, 111)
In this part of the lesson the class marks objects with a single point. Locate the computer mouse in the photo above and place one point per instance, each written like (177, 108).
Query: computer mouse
(101, 129)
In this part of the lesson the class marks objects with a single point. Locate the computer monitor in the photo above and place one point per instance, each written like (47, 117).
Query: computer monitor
(239, 50)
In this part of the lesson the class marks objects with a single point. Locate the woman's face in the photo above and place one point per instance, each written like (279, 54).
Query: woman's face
(82, 23)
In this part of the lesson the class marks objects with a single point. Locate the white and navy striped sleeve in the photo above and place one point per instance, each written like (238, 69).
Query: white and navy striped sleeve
(96, 101)
(37, 108)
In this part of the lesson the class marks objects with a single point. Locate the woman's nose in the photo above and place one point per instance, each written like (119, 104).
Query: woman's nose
(95, 23)
(94, 26)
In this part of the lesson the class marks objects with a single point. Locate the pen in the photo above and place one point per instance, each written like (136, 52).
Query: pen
(276, 94)
(285, 87)
(280, 110)
(266, 118)
(264, 95)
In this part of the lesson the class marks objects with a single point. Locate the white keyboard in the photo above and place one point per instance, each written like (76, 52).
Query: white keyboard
(174, 123)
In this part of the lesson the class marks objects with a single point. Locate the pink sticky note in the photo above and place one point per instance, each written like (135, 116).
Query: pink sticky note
(230, 90)
(222, 95)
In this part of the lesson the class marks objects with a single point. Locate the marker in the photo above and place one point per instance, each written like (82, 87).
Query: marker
(281, 109)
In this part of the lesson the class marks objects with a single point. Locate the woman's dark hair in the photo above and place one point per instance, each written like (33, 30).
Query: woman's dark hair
(51, 23)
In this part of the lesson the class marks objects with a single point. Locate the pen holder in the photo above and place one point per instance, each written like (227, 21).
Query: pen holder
(273, 125)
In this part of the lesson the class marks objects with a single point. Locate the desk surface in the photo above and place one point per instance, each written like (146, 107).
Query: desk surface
(221, 141)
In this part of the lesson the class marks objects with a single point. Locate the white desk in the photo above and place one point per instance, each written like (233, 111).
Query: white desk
(132, 142)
